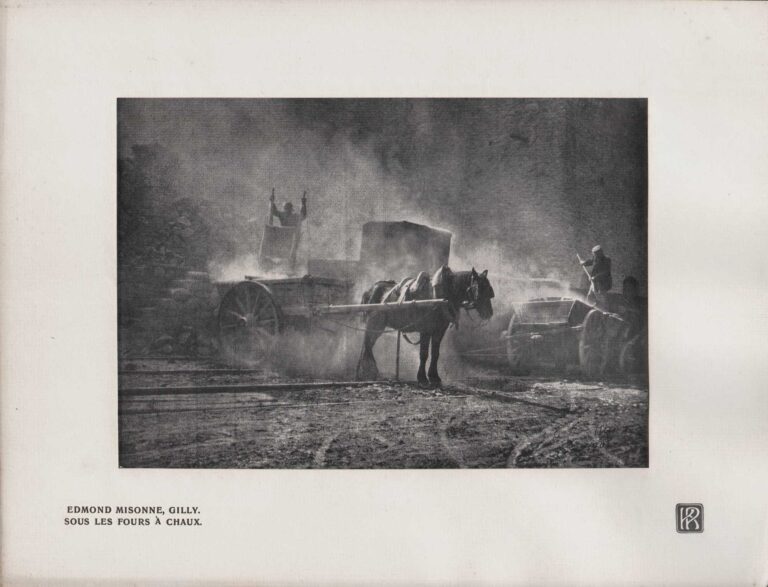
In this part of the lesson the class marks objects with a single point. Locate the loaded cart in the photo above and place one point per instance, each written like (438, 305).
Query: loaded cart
(558, 333)
(256, 309)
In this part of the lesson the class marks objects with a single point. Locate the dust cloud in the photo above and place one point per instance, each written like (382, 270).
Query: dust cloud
(522, 184)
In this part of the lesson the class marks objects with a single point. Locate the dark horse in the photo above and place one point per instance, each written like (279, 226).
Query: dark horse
(462, 289)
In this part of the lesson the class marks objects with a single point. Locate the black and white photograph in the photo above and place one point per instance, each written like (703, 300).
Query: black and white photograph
(382, 283)
(383, 293)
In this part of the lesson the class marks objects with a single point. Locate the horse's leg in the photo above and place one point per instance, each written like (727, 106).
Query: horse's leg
(421, 376)
(437, 338)
(366, 365)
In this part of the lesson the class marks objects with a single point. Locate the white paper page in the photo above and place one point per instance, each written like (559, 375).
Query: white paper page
(702, 67)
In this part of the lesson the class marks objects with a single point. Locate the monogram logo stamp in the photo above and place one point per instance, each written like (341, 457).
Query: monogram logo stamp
(690, 517)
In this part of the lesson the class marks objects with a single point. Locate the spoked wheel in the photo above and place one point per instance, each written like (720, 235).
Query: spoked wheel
(249, 319)
(633, 355)
(518, 350)
(592, 344)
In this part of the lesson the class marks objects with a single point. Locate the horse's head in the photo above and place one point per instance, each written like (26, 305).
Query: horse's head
(479, 293)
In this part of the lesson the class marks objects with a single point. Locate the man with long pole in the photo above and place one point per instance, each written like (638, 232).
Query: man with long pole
(600, 278)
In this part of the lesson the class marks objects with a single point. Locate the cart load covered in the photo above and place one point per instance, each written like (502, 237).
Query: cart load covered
(258, 308)
(402, 248)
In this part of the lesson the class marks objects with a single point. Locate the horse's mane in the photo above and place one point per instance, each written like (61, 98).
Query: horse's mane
(449, 284)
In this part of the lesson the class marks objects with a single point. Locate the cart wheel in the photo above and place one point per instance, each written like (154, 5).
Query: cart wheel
(249, 318)
(560, 354)
(632, 357)
(591, 345)
(518, 351)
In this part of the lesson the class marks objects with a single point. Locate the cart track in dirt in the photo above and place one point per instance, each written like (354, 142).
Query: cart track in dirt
(479, 422)
(607, 454)
(319, 460)
(530, 442)
(452, 453)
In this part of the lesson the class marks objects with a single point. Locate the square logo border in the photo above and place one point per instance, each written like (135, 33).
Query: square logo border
(678, 507)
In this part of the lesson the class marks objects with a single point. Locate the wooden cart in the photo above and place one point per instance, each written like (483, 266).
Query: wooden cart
(253, 311)
(557, 333)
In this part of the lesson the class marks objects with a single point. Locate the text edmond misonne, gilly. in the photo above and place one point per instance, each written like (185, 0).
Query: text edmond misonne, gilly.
(157, 510)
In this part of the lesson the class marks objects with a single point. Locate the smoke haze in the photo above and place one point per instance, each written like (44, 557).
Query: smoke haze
(522, 184)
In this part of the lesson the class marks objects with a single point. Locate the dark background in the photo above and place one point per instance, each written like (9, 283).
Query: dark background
(523, 184)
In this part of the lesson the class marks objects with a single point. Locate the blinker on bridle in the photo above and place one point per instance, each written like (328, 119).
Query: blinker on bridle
(473, 292)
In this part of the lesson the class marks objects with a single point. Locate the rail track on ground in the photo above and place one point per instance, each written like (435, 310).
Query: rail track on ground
(202, 413)
(312, 391)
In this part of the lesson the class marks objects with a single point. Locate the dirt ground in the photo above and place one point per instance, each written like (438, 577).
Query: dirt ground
(480, 422)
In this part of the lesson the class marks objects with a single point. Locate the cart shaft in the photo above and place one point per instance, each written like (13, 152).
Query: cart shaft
(391, 307)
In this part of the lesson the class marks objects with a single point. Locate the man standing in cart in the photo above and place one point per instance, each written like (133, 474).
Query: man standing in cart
(287, 216)
(600, 276)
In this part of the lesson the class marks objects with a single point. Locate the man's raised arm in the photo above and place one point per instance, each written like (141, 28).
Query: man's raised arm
(273, 211)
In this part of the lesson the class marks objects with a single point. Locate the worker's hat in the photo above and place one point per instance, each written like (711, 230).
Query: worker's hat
(597, 248)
